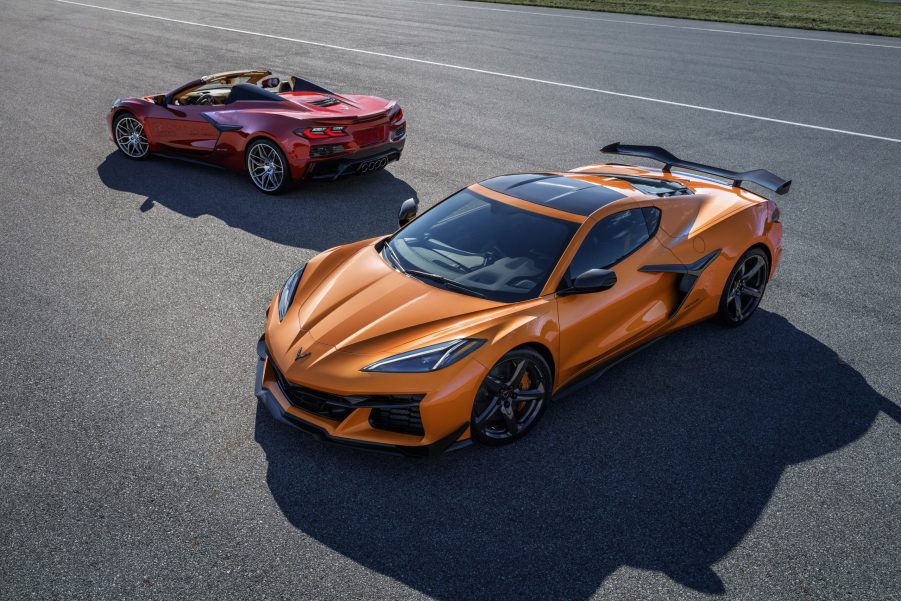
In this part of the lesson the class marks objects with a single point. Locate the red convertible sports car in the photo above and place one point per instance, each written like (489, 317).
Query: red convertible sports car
(277, 129)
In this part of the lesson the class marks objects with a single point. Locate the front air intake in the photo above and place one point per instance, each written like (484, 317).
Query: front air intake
(405, 420)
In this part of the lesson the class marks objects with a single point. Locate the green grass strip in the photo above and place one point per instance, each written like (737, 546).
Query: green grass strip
(852, 16)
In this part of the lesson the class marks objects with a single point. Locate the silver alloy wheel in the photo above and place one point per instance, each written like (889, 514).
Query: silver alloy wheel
(264, 163)
(130, 137)
(747, 287)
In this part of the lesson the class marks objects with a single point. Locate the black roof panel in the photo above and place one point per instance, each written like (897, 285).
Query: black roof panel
(564, 193)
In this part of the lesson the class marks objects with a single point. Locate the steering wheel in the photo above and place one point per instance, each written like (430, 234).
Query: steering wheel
(492, 254)
(205, 99)
(460, 266)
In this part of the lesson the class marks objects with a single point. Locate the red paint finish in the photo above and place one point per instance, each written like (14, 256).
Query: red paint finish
(179, 124)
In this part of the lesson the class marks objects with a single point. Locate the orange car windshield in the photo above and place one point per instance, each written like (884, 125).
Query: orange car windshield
(474, 245)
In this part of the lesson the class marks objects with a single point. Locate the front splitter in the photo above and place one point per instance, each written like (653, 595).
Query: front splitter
(265, 396)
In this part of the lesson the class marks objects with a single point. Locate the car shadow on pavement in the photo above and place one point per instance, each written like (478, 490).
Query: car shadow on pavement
(664, 465)
(312, 215)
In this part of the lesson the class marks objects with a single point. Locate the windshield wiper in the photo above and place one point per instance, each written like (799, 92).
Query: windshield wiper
(446, 282)
(394, 258)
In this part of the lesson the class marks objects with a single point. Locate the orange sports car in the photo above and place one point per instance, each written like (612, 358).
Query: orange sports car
(472, 317)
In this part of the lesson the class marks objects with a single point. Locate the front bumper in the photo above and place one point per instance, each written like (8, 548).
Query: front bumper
(268, 391)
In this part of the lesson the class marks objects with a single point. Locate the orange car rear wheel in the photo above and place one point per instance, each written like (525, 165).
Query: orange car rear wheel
(744, 288)
(512, 398)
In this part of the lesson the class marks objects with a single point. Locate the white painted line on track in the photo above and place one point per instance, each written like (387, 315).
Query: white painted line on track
(563, 15)
(486, 72)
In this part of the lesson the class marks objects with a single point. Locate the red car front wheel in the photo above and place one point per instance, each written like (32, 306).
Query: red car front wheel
(130, 137)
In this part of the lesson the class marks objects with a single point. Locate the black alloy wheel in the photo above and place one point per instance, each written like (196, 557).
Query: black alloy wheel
(512, 398)
(744, 288)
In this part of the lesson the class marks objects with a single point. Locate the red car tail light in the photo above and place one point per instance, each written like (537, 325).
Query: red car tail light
(398, 116)
(320, 133)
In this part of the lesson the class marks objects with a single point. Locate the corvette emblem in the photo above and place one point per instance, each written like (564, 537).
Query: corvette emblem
(301, 355)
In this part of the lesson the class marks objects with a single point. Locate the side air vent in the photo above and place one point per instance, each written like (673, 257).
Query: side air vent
(325, 102)
(688, 275)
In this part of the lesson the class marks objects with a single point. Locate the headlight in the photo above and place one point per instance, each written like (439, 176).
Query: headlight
(429, 358)
(286, 294)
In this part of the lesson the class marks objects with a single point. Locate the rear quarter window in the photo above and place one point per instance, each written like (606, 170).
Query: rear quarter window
(614, 238)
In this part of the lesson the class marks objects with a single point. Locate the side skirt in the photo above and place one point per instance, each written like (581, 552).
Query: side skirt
(187, 159)
(595, 373)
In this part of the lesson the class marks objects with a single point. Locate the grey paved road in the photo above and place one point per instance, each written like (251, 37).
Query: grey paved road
(758, 463)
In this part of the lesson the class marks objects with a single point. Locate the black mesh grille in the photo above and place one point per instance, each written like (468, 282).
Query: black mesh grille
(314, 401)
(405, 420)
(324, 150)
(334, 168)
(337, 407)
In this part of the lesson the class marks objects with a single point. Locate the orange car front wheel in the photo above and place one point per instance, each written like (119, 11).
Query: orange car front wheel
(512, 398)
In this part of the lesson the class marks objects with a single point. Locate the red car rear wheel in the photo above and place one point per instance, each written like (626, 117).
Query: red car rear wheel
(268, 167)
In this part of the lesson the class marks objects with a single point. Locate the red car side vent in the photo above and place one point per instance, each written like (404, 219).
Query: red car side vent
(323, 102)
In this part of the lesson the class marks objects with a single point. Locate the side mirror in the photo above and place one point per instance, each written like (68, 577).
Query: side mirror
(408, 210)
(593, 280)
(160, 100)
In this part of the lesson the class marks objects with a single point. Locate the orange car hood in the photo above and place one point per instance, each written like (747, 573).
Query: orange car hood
(364, 306)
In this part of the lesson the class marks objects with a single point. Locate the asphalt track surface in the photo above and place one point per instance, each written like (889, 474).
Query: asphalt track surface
(754, 463)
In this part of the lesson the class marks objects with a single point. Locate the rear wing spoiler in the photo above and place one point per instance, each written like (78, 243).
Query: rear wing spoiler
(761, 177)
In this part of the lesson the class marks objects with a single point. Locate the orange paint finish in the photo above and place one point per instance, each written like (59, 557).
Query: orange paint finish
(352, 308)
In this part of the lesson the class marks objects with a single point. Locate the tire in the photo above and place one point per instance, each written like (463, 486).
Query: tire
(267, 167)
(501, 413)
(744, 289)
(130, 138)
